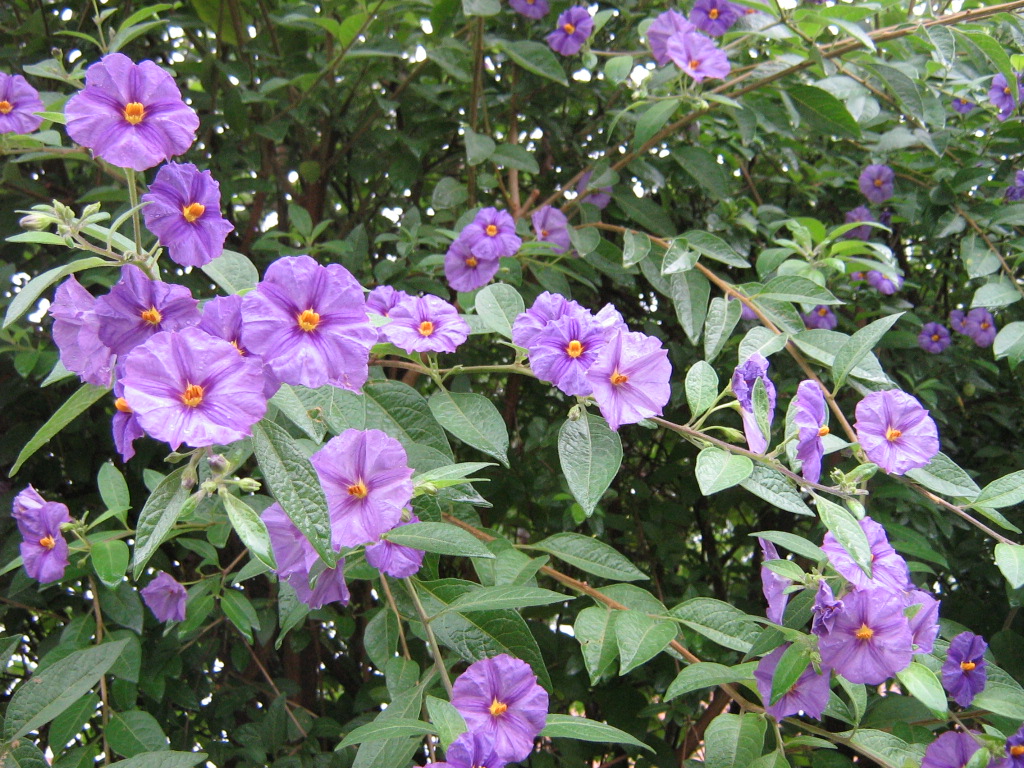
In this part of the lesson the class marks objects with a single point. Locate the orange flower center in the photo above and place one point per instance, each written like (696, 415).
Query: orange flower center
(426, 328)
(713, 14)
(823, 311)
(618, 379)
(967, 666)
(193, 211)
(823, 431)
(985, 326)
(1017, 750)
(1006, 90)
(5, 107)
(309, 320)
(694, 63)
(239, 347)
(498, 707)
(47, 542)
(569, 28)
(192, 396)
(471, 262)
(892, 434)
(122, 405)
(491, 230)
(134, 112)
(878, 182)
(865, 632)
(575, 349)
(544, 233)
(358, 489)
(935, 337)
(152, 316)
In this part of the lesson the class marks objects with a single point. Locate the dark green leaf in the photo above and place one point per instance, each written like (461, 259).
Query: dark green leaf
(590, 454)
(75, 405)
(590, 555)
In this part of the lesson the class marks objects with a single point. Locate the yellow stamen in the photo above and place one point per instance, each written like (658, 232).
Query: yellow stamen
(471, 262)
(1017, 750)
(122, 405)
(823, 311)
(152, 316)
(985, 326)
(1006, 90)
(891, 434)
(694, 63)
(543, 233)
(618, 379)
(358, 489)
(5, 107)
(935, 337)
(823, 431)
(864, 633)
(193, 211)
(713, 14)
(575, 349)
(498, 707)
(569, 28)
(309, 320)
(491, 230)
(134, 112)
(241, 350)
(192, 396)
(426, 328)
(967, 666)
(878, 182)
(47, 542)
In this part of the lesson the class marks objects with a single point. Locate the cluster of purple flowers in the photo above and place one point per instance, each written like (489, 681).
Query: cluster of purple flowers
(673, 37)
(473, 258)
(977, 324)
(504, 707)
(583, 354)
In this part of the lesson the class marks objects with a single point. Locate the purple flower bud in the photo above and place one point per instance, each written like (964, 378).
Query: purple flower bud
(811, 420)
(743, 380)
(826, 609)
(772, 585)
(44, 552)
(19, 103)
(165, 597)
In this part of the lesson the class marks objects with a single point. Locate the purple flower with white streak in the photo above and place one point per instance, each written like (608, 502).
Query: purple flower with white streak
(772, 585)
(165, 597)
(713, 16)
(76, 331)
(826, 609)
(964, 672)
(426, 324)
(744, 378)
(599, 197)
(44, 552)
(662, 28)
(574, 27)
(531, 9)
(698, 56)
(547, 307)
(980, 326)
(563, 352)
(473, 749)
(631, 378)
(884, 284)
(953, 749)
(552, 226)
(821, 318)
(19, 103)
(1004, 96)
(131, 115)
(466, 268)
(895, 432)
(297, 562)
(933, 338)
(870, 640)
(809, 694)
(184, 214)
(811, 420)
(492, 234)
(876, 183)
(888, 570)
(395, 560)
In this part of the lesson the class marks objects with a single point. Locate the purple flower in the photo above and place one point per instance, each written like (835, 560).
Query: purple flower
(809, 694)
(870, 639)
(426, 324)
(895, 432)
(365, 476)
(888, 570)
(473, 749)
(19, 102)
(663, 27)
(574, 27)
(382, 299)
(631, 378)
(44, 551)
(308, 323)
(884, 284)
(772, 585)
(876, 183)
(980, 326)
(958, 321)
(953, 749)
(599, 197)
(963, 106)
(1014, 752)
(821, 318)
(1004, 96)
(184, 214)
(466, 268)
(191, 387)
(547, 307)
(933, 338)
(746, 313)
(130, 115)
(395, 560)
(165, 597)
(137, 308)
(860, 213)
(76, 330)
(492, 234)
(1015, 192)
(811, 420)
(501, 698)
(564, 351)
(697, 55)
(531, 9)
(222, 317)
(924, 623)
(124, 426)
(713, 16)
(963, 673)
(552, 226)
(743, 379)
(297, 561)
(826, 609)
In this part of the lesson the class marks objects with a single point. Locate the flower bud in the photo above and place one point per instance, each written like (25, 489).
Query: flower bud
(248, 485)
(35, 222)
(218, 463)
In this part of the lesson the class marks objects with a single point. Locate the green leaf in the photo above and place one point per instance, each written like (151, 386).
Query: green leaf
(582, 729)
(498, 306)
(791, 665)
(75, 405)
(535, 57)
(481, 7)
(70, 722)
(903, 88)
(240, 612)
(640, 638)
(796, 544)
(775, 488)
(821, 345)
(1009, 343)
(921, 683)
(885, 748)
(653, 120)
(761, 341)
(23, 754)
(1010, 559)
(707, 674)
(718, 621)
(443, 538)
(1004, 492)
(722, 318)
(595, 631)
(446, 719)
(1002, 698)
(823, 112)
(135, 732)
(858, 346)
(110, 561)
(636, 246)
(717, 470)
(762, 409)
(515, 156)
(386, 729)
(689, 292)
(295, 485)
(943, 475)
(287, 400)
(701, 387)
(998, 293)
(734, 741)
(26, 298)
(381, 637)
(992, 49)
(113, 488)
(157, 518)
(590, 555)
(233, 272)
(714, 247)
(678, 257)
(590, 454)
(162, 759)
(452, 474)
(618, 68)
(794, 288)
(504, 597)
(473, 419)
(250, 528)
(847, 531)
(478, 147)
(704, 168)
(48, 693)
